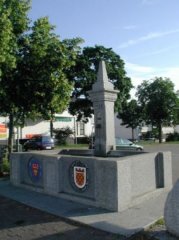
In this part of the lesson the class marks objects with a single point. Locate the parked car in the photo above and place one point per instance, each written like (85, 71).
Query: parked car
(39, 143)
(121, 144)
(125, 144)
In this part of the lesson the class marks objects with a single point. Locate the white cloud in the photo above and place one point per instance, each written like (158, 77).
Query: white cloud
(139, 73)
(173, 74)
(138, 68)
(150, 36)
(162, 50)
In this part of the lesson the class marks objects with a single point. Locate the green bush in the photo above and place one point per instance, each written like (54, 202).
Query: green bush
(61, 134)
(83, 140)
(172, 137)
(6, 166)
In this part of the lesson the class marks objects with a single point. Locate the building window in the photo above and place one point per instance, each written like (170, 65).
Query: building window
(63, 119)
(80, 128)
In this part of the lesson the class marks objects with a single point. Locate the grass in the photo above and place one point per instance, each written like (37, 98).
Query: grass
(147, 142)
(156, 143)
(172, 142)
(85, 146)
(159, 222)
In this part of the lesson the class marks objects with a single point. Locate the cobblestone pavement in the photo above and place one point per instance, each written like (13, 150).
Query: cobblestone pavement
(18, 221)
(21, 222)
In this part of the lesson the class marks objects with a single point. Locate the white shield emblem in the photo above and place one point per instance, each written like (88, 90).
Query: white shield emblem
(80, 176)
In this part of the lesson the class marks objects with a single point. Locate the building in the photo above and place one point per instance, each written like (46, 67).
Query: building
(3, 128)
(82, 131)
(123, 132)
(42, 127)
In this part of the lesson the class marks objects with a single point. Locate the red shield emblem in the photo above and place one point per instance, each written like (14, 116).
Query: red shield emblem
(79, 176)
(35, 169)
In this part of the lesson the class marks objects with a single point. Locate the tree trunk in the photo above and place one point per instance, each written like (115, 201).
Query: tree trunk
(10, 138)
(132, 134)
(51, 127)
(160, 132)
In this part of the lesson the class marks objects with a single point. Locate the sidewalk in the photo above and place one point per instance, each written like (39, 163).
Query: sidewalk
(55, 213)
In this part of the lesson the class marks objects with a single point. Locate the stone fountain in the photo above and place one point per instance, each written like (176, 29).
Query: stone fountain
(103, 177)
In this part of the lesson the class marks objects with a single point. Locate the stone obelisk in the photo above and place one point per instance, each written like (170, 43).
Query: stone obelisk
(103, 97)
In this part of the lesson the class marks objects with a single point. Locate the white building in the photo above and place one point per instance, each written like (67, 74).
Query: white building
(123, 132)
(81, 130)
(40, 126)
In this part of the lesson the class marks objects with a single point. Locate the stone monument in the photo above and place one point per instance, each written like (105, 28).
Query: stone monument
(103, 97)
(115, 182)
(171, 213)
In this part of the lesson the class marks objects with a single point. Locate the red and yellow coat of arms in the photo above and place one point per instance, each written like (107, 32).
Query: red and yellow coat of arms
(79, 176)
(35, 169)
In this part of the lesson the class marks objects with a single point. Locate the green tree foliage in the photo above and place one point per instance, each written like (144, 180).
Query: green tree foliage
(61, 134)
(33, 66)
(131, 115)
(158, 101)
(13, 22)
(43, 62)
(176, 112)
(172, 137)
(84, 73)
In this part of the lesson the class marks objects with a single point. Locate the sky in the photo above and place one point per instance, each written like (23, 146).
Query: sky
(145, 33)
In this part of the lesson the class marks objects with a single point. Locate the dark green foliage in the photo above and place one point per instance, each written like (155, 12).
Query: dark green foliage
(173, 137)
(84, 73)
(4, 163)
(44, 60)
(33, 66)
(6, 166)
(131, 115)
(83, 140)
(13, 22)
(158, 102)
(149, 135)
(61, 134)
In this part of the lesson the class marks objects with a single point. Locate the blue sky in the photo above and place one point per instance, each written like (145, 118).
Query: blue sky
(145, 33)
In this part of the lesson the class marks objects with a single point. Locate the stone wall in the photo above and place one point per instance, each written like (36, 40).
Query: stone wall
(112, 183)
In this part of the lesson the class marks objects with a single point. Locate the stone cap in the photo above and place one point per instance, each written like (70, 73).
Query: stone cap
(102, 82)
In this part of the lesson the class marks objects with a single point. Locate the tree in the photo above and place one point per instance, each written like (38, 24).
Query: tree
(176, 112)
(84, 73)
(43, 63)
(158, 101)
(36, 82)
(61, 134)
(131, 115)
(13, 23)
